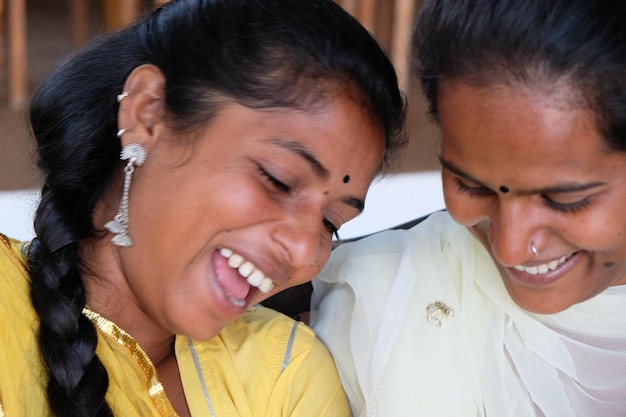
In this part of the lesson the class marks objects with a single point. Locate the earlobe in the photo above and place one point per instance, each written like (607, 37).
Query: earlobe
(142, 108)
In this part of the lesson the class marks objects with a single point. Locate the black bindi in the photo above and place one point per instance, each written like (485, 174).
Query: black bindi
(504, 188)
(346, 179)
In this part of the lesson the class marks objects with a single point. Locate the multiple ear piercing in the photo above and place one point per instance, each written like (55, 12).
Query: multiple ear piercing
(135, 154)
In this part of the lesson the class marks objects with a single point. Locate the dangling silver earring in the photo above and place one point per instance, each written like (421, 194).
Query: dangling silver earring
(135, 154)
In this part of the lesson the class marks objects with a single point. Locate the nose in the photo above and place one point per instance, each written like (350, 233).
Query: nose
(299, 238)
(510, 230)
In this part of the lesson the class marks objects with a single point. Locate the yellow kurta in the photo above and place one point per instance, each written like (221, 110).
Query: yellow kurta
(264, 364)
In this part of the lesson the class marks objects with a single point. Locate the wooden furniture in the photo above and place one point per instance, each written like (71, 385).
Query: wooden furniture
(13, 46)
(390, 21)
(14, 50)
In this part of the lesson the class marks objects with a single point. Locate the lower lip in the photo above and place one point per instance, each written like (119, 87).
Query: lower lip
(220, 297)
(543, 280)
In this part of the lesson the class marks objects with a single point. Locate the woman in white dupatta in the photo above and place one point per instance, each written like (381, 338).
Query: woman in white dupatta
(513, 302)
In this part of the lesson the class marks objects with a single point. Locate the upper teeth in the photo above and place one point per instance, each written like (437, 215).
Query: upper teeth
(543, 268)
(246, 269)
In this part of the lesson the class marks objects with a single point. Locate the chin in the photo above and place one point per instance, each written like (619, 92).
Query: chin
(538, 302)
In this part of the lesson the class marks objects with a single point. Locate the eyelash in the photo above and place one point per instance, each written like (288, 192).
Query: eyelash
(474, 191)
(279, 185)
(563, 208)
(282, 187)
(334, 230)
(566, 208)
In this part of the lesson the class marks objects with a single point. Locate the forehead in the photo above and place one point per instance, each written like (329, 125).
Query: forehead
(505, 131)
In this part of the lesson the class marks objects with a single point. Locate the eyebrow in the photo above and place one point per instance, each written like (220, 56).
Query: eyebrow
(319, 169)
(557, 189)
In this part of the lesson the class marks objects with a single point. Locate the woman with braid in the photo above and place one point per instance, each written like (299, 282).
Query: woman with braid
(194, 164)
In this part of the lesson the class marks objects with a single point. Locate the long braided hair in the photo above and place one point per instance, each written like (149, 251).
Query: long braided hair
(261, 53)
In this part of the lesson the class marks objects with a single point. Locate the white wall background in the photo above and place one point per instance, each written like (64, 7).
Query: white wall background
(391, 201)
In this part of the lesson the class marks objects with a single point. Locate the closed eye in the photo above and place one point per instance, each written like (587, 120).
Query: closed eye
(279, 185)
(331, 228)
(573, 207)
(477, 190)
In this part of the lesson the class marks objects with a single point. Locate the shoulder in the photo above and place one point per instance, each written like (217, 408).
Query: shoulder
(261, 325)
(384, 254)
(12, 254)
(14, 279)
(19, 356)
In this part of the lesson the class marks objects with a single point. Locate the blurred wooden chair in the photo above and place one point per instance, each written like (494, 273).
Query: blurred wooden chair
(13, 44)
(390, 21)
(119, 13)
(13, 50)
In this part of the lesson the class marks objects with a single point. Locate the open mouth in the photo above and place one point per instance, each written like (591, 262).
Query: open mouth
(246, 269)
(544, 268)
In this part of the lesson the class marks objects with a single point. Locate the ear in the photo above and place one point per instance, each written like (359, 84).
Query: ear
(142, 111)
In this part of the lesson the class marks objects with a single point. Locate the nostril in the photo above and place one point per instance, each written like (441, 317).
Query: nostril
(299, 243)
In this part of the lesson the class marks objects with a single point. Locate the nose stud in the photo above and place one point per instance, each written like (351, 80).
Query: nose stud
(533, 249)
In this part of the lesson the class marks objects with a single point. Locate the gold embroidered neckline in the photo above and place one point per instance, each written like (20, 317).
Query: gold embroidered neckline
(117, 334)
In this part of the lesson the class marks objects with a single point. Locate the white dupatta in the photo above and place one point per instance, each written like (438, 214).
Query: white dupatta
(489, 359)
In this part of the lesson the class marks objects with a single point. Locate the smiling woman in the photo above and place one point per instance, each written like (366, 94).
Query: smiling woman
(513, 303)
(195, 164)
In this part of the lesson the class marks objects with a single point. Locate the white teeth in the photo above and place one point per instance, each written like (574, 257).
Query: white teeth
(247, 270)
(543, 268)
(235, 260)
(256, 278)
(226, 253)
(266, 285)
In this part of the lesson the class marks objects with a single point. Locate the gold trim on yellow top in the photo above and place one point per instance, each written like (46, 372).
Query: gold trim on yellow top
(20, 259)
(113, 331)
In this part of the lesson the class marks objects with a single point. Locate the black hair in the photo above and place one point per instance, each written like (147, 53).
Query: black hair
(259, 53)
(532, 42)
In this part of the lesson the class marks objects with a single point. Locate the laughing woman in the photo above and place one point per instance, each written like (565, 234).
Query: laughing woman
(513, 302)
(249, 132)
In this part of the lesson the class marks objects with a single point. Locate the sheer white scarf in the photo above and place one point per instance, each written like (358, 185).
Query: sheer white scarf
(489, 359)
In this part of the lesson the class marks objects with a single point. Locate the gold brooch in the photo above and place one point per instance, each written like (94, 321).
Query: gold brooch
(438, 311)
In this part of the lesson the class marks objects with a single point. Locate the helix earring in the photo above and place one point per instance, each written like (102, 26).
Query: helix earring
(122, 96)
(533, 249)
(135, 154)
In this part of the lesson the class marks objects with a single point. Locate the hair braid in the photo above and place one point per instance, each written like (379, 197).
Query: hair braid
(67, 339)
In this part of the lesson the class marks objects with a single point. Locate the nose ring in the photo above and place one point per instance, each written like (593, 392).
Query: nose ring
(533, 249)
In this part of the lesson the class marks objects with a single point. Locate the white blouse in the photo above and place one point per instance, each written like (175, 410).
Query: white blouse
(420, 324)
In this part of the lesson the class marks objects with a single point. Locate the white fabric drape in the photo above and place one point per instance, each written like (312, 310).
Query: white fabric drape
(490, 359)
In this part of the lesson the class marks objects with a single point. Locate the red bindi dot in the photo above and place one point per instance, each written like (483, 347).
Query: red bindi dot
(346, 179)
(504, 188)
